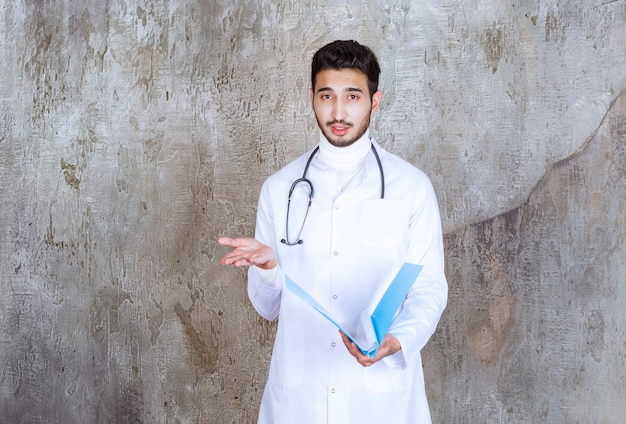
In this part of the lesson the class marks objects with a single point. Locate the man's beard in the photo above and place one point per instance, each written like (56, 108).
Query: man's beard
(338, 141)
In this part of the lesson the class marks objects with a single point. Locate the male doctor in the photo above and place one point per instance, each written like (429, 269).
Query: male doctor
(355, 214)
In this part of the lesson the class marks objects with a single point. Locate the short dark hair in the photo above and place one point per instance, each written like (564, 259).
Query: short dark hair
(347, 54)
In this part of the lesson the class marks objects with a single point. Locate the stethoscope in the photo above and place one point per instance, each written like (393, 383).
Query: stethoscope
(308, 182)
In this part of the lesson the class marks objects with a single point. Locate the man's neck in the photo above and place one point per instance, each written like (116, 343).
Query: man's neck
(348, 158)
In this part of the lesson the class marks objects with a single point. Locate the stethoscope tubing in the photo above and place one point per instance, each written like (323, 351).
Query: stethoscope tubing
(305, 180)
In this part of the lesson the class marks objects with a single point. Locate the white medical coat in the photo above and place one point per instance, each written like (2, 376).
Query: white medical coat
(353, 244)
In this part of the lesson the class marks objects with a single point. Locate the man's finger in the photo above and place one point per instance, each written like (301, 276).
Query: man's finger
(226, 241)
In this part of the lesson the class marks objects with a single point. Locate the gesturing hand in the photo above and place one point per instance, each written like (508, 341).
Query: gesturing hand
(388, 346)
(248, 251)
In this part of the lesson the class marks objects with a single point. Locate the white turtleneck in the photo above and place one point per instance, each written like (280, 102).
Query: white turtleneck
(346, 161)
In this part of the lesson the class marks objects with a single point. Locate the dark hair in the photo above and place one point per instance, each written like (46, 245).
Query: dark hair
(342, 54)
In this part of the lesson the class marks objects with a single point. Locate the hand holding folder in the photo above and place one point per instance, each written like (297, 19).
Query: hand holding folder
(371, 328)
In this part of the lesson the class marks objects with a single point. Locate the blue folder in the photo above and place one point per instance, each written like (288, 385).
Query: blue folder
(373, 328)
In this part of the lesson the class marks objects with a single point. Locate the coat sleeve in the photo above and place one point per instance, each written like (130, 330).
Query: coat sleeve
(264, 287)
(420, 312)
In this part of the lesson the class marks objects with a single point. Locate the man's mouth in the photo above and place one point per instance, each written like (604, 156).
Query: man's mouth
(339, 128)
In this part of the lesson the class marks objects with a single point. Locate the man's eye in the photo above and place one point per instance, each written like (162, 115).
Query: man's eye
(353, 97)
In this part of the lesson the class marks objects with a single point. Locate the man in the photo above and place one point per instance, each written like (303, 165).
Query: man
(369, 213)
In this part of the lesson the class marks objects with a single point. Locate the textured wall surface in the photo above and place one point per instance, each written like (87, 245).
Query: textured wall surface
(537, 299)
(134, 132)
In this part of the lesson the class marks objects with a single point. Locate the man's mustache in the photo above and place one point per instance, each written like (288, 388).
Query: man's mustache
(342, 122)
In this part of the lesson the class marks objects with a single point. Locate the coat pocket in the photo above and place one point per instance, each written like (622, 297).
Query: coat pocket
(383, 222)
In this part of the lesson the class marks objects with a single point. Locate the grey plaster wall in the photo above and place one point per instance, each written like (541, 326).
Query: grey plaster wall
(133, 133)
(536, 319)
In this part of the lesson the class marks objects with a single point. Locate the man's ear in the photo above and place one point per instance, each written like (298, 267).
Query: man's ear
(311, 95)
(376, 99)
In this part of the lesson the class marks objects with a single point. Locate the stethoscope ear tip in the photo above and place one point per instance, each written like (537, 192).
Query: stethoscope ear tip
(283, 241)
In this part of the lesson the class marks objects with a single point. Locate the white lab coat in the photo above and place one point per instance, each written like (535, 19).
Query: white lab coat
(353, 244)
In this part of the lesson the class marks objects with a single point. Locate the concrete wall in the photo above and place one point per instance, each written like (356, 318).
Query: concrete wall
(133, 133)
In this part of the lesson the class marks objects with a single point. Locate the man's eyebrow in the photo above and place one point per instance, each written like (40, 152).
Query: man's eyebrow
(329, 89)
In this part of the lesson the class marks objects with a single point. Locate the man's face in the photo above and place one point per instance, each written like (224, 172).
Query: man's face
(342, 105)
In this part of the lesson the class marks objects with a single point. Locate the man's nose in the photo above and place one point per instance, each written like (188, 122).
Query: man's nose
(339, 110)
